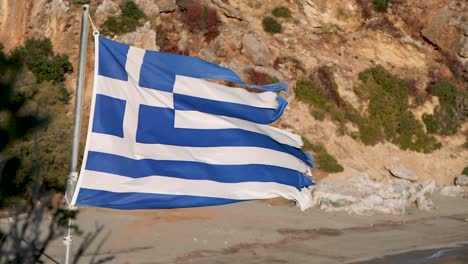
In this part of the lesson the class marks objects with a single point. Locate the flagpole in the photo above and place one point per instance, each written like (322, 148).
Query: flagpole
(73, 175)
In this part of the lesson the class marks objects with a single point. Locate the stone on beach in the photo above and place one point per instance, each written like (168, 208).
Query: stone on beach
(363, 196)
(461, 180)
(401, 172)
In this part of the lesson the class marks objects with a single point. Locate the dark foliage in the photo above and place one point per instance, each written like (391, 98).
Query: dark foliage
(324, 160)
(381, 5)
(452, 111)
(281, 11)
(128, 21)
(271, 25)
(388, 114)
(38, 56)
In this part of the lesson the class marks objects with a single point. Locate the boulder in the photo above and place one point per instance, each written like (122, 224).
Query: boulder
(452, 191)
(148, 7)
(229, 11)
(425, 204)
(446, 30)
(401, 172)
(166, 5)
(256, 50)
(106, 9)
(461, 180)
(424, 188)
(363, 196)
(144, 37)
(218, 46)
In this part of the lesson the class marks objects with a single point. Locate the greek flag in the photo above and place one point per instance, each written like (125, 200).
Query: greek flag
(162, 136)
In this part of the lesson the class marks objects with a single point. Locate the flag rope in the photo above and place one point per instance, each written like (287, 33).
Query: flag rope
(95, 30)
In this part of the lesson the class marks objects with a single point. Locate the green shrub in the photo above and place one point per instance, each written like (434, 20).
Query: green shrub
(126, 22)
(452, 111)
(50, 152)
(38, 56)
(281, 11)
(131, 10)
(118, 25)
(388, 114)
(270, 25)
(381, 5)
(411, 135)
(323, 159)
(465, 171)
(370, 133)
(308, 92)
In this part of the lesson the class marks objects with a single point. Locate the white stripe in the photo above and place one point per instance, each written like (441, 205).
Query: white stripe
(213, 91)
(200, 120)
(211, 155)
(133, 65)
(129, 91)
(176, 186)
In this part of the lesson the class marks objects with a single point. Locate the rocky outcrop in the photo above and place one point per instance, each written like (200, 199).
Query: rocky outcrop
(453, 191)
(148, 7)
(106, 9)
(363, 196)
(461, 180)
(144, 37)
(401, 172)
(166, 5)
(229, 11)
(448, 29)
(256, 50)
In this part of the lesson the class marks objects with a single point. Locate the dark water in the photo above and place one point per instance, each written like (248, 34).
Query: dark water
(455, 255)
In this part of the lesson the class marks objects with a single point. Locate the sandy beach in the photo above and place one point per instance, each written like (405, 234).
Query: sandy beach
(262, 232)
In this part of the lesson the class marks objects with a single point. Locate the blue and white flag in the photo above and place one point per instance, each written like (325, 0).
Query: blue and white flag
(161, 136)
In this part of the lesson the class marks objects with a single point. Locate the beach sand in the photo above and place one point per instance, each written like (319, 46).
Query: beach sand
(259, 232)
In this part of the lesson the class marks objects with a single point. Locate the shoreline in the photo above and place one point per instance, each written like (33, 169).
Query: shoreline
(450, 253)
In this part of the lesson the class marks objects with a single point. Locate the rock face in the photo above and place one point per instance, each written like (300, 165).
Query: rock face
(401, 172)
(461, 180)
(144, 37)
(448, 29)
(106, 9)
(229, 11)
(256, 50)
(166, 5)
(148, 7)
(363, 196)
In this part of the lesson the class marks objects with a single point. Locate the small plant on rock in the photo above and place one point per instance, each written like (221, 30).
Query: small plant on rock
(281, 11)
(126, 22)
(271, 25)
(381, 5)
(324, 160)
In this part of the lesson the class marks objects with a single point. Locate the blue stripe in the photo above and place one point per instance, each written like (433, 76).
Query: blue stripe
(241, 111)
(108, 115)
(156, 126)
(133, 201)
(114, 164)
(112, 59)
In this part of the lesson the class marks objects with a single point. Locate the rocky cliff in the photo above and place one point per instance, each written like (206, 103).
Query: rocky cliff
(416, 40)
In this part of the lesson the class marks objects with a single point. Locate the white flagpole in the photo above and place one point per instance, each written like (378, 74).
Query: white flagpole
(73, 176)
